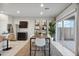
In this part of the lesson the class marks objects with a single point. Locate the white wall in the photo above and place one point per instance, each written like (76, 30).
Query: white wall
(31, 24)
(3, 23)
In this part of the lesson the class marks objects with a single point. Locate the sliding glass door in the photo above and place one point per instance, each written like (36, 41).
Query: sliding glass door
(59, 31)
(69, 33)
(65, 31)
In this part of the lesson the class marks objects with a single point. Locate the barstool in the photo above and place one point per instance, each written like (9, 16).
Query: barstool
(40, 43)
(11, 37)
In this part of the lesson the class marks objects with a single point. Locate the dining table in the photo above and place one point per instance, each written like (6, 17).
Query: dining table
(34, 38)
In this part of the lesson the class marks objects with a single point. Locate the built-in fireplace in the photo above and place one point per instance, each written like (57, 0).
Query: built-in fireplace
(22, 36)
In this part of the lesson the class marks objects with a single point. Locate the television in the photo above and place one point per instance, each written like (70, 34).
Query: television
(23, 24)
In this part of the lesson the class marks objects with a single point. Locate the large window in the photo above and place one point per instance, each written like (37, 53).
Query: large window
(65, 30)
(69, 33)
(69, 29)
(59, 31)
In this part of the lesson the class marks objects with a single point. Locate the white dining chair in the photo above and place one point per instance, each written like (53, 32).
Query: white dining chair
(40, 43)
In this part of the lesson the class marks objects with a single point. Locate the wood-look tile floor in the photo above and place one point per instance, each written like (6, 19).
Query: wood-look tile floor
(53, 52)
(40, 53)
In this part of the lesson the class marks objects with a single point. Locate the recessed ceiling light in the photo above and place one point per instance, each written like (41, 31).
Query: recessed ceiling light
(41, 13)
(1, 11)
(42, 5)
(18, 12)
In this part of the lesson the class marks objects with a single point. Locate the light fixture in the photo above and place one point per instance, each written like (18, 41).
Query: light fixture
(41, 13)
(18, 12)
(42, 5)
(1, 11)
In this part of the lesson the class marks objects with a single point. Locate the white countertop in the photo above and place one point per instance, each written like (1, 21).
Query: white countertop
(16, 46)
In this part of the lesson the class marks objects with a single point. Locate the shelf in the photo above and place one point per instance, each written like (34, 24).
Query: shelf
(37, 29)
(41, 26)
(44, 25)
(36, 24)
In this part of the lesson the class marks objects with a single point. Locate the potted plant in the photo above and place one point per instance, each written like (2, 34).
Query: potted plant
(52, 29)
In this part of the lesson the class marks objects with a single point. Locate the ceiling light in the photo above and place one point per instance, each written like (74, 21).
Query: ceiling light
(18, 12)
(1, 11)
(41, 13)
(42, 5)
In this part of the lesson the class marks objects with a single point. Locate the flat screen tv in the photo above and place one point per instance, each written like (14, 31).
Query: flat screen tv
(23, 24)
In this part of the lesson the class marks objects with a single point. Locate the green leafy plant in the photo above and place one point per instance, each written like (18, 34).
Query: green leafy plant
(52, 28)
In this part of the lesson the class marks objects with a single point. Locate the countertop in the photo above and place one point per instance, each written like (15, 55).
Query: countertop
(16, 46)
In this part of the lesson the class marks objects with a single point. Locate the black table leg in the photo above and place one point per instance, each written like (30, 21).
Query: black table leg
(30, 47)
(49, 47)
(44, 51)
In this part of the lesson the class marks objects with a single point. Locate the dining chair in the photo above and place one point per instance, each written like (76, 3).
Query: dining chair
(40, 43)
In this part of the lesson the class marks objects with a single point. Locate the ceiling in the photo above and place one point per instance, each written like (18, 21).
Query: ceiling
(33, 9)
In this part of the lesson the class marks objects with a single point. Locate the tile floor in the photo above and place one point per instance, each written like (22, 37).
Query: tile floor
(53, 52)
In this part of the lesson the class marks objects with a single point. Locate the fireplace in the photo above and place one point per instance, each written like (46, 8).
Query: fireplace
(22, 36)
